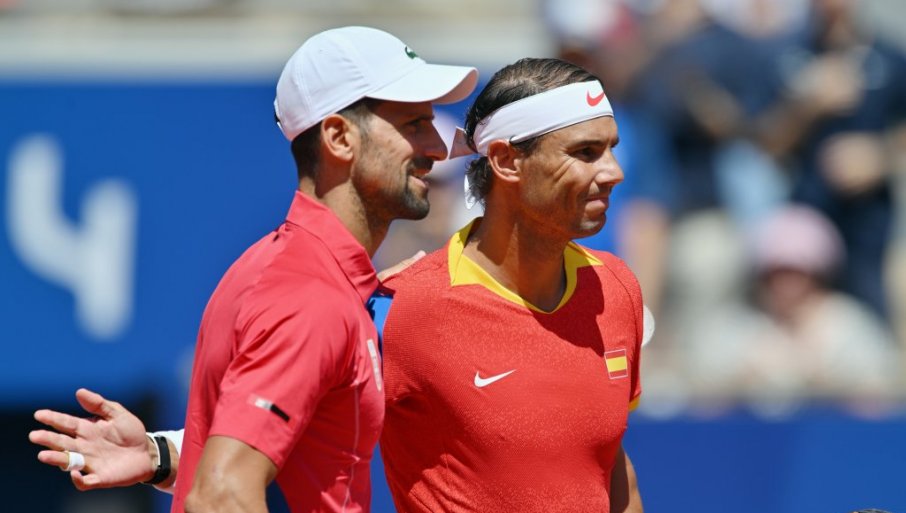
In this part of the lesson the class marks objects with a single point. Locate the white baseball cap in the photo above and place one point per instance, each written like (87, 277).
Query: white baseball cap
(338, 67)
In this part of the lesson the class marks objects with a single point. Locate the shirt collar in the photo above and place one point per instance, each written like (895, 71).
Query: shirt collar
(322, 223)
(463, 271)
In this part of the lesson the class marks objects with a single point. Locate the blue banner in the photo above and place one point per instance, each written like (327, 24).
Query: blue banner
(123, 206)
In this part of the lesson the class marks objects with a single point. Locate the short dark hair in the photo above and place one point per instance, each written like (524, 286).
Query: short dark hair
(523, 78)
(305, 147)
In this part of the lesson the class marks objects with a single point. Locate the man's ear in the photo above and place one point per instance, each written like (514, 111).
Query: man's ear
(504, 161)
(339, 138)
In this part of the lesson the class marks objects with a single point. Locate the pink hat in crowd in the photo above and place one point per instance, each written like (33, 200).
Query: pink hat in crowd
(800, 238)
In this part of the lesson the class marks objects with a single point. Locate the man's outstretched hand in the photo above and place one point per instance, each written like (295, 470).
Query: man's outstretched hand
(113, 442)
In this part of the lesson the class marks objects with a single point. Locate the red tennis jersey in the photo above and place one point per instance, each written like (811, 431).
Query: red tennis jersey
(495, 406)
(287, 362)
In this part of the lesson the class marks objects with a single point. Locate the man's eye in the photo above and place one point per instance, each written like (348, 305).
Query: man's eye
(586, 153)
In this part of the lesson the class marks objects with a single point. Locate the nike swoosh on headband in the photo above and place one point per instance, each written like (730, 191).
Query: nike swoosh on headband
(593, 101)
(535, 115)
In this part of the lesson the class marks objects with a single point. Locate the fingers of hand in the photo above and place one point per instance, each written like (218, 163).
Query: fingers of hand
(75, 461)
(59, 421)
(53, 440)
(67, 461)
(85, 482)
(95, 403)
(54, 458)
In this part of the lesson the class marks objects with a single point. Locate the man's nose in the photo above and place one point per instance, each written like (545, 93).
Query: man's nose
(609, 171)
(434, 146)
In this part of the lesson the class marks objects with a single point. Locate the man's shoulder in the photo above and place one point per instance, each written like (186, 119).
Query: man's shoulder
(429, 272)
(614, 267)
(296, 275)
(608, 260)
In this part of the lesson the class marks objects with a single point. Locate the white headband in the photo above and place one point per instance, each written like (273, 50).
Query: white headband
(536, 115)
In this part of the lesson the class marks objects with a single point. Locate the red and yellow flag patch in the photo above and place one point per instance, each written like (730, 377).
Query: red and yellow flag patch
(617, 363)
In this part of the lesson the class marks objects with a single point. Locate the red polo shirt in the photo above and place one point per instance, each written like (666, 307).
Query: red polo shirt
(494, 405)
(286, 362)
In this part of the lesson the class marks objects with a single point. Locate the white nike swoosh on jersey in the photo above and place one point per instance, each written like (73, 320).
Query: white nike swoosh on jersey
(483, 382)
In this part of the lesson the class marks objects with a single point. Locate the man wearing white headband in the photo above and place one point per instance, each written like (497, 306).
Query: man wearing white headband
(511, 356)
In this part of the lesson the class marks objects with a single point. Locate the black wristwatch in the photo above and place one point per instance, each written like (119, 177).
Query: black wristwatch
(163, 461)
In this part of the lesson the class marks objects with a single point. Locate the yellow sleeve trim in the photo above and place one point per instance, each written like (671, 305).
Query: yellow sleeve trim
(634, 403)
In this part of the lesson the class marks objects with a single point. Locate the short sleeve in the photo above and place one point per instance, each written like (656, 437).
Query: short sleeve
(288, 357)
(631, 285)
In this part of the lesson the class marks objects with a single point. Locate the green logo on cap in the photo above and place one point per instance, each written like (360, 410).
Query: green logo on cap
(410, 53)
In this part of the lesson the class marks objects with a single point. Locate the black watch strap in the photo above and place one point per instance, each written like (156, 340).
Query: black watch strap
(163, 462)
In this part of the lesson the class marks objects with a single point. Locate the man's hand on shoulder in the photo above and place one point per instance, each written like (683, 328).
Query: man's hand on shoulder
(398, 268)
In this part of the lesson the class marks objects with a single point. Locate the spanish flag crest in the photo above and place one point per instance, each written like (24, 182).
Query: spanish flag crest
(617, 363)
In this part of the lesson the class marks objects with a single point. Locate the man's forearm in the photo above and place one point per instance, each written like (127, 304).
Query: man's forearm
(232, 477)
(224, 498)
(624, 488)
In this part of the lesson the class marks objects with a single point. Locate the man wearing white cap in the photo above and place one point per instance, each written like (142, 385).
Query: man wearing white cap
(286, 382)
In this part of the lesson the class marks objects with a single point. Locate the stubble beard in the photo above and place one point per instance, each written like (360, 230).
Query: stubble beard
(383, 205)
(412, 206)
(589, 227)
(402, 203)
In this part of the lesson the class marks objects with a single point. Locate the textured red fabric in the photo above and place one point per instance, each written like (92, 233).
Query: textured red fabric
(540, 439)
(283, 364)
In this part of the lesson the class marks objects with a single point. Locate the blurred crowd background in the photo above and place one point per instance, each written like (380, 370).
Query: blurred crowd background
(764, 148)
(763, 210)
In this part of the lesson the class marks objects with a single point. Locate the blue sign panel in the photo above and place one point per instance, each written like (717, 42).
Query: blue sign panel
(123, 206)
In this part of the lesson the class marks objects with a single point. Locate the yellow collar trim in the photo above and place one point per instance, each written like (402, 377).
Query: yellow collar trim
(464, 271)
